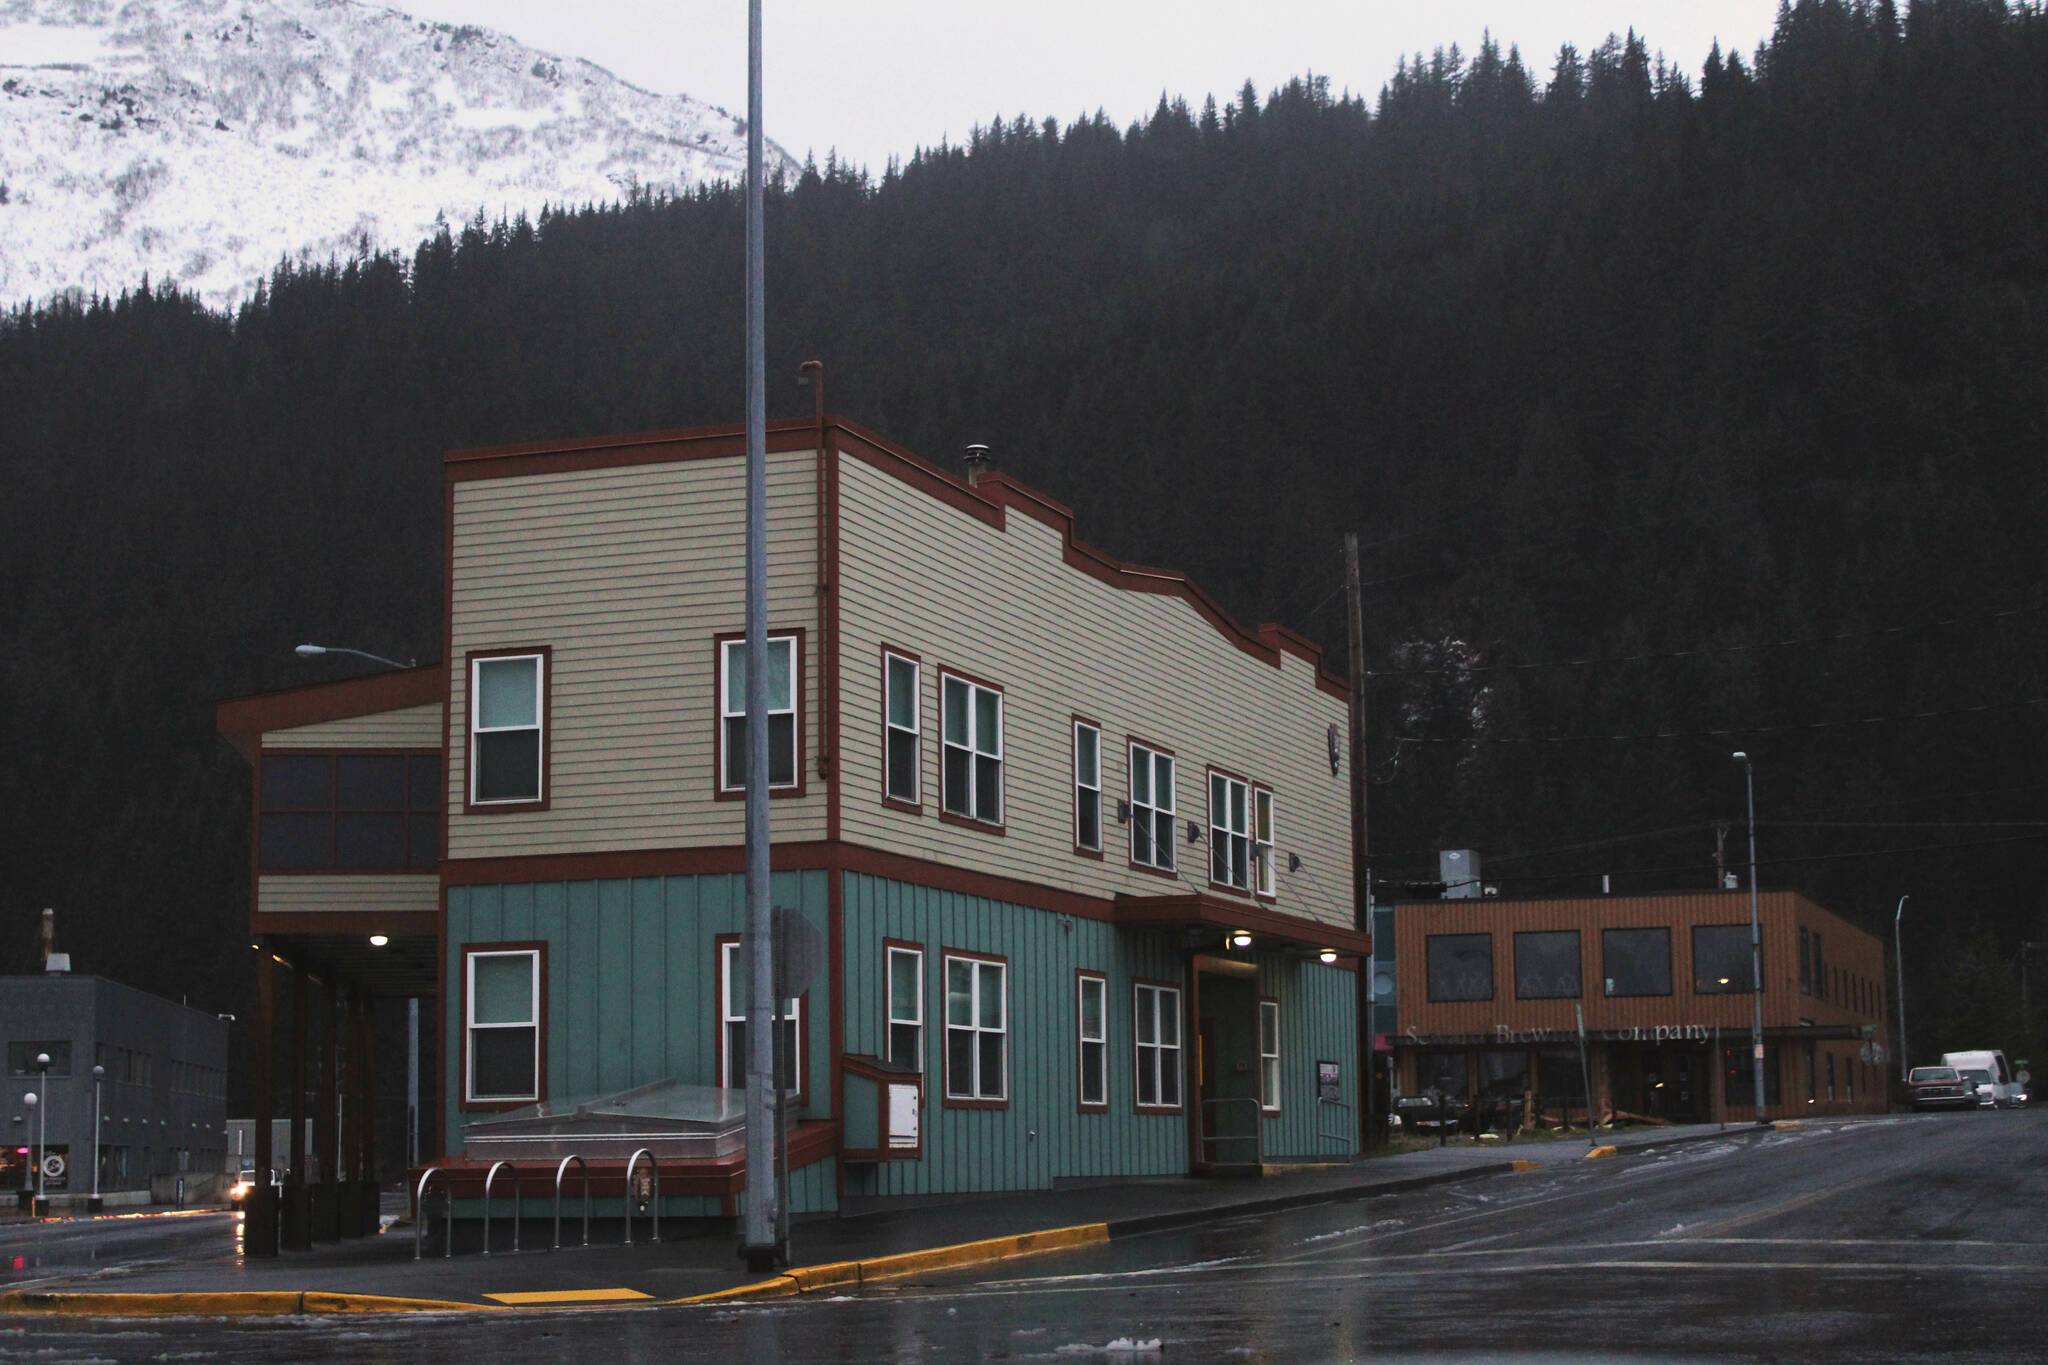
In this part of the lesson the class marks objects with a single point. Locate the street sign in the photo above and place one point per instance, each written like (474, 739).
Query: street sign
(799, 952)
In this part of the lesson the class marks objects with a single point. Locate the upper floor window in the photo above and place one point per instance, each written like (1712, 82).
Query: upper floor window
(1087, 787)
(1460, 966)
(1805, 963)
(1547, 964)
(1151, 807)
(903, 730)
(354, 811)
(21, 1058)
(1230, 834)
(501, 1062)
(1267, 874)
(972, 775)
(507, 728)
(1720, 959)
(781, 707)
(1636, 961)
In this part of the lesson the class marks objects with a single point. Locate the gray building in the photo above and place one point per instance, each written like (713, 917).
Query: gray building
(162, 1089)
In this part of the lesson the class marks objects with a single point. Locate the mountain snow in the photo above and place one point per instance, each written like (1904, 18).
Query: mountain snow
(200, 141)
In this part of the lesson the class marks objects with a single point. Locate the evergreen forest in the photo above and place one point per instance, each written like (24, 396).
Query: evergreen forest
(1679, 409)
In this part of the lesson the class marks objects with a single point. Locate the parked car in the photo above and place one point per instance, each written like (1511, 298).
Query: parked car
(1940, 1087)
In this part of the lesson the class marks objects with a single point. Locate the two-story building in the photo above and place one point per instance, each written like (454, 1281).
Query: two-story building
(1492, 993)
(1075, 843)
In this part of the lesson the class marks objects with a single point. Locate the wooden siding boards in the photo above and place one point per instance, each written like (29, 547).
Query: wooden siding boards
(414, 727)
(310, 892)
(626, 574)
(1004, 607)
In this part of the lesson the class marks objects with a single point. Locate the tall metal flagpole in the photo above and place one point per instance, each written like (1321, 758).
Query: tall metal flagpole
(760, 1249)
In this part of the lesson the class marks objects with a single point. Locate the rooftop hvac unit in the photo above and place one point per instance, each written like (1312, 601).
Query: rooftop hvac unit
(1458, 869)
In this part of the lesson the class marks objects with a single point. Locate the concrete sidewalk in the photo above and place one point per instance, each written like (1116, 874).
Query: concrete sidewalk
(379, 1274)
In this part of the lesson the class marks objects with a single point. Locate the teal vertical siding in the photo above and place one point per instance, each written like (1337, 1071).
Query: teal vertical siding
(1318, 1022)
(632, 984)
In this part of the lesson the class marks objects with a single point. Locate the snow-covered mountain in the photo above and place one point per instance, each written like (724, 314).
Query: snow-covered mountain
(201, 140)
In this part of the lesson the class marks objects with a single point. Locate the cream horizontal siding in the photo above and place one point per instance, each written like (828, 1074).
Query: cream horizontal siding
(415, 727)
(348, 893)
(1004, 607)
(627, 575)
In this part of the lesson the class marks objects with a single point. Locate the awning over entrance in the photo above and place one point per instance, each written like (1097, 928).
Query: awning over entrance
(1205, 917)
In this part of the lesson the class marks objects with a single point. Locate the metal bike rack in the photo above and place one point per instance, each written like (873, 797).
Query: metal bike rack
(1346, 1131)
(561, 1171)
(419, 1223)
(1256, 1137)
(490, 1176)
(654, 1205)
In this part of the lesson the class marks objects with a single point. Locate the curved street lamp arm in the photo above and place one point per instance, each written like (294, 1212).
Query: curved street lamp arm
(314, 651)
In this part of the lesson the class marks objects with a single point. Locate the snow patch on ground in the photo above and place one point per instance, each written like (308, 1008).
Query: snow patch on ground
(1122, 1346)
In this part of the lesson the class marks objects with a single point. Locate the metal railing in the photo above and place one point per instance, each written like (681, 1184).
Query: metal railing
(490, 1176)
(654, 1204)
(1256, 1137)
(419, 1212)
(561, 1171)
(1346, 1133)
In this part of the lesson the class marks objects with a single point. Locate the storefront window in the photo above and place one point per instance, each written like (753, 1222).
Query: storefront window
(1504, 1073)
(1449, 1072)
(1739, 1092)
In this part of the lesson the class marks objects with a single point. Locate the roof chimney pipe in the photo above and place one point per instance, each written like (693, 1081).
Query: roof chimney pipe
(976, 458)
(49, 935)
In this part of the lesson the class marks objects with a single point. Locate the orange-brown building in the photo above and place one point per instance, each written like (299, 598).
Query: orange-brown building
(1490, 993)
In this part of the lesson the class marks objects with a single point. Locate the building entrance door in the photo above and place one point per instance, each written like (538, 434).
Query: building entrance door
(1225, 1114)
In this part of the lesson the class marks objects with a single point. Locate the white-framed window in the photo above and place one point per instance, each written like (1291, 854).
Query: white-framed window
(977, 1029)
(1151, 807)
(1156, 1031)
(502, 1030)
(1092, 1027)
(1269, 1056)
(902, 724)
(1087, 786)
(906, 1006)
(1264, 873)
(972, 776)
(1230, 841)
(732, 711)
(732, 1003)
(506, 716)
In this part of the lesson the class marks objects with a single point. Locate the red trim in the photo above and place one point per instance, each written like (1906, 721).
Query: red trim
(1130, 794)
(1081, 1058)
(1180, 1049)
(923, 1001)
(1203, 910)
(1009, 1059)
(540, 1036)
(1003, 711)
(1074, 724)
(893, 802)
(719, 791)
(396, 923)
(546, 654)
(1279, 1057)
(243, 721)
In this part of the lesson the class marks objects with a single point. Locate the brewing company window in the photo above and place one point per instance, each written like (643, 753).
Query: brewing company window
(1636, 961)
(1460, 966)
(1547, 965)
(1720, 959)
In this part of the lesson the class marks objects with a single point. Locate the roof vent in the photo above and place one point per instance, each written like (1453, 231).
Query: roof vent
(58, 963)
(976, 458)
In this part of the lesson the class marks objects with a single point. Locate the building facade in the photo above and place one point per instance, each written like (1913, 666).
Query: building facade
(160, 1097)
(1075, 845)
(1491, 993)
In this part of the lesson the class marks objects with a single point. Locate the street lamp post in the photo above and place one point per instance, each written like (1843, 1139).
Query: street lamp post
(315, 651)
(35, 1111)
(1756, 947)
(1899, 958)
(42, 1205)
(99, 1073)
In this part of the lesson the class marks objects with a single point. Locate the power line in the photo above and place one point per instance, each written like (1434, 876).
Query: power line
(1725, 732)
(1702, 653)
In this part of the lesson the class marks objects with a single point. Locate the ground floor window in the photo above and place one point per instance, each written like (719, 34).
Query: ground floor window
(502, 991)
(977, 1028)
(1269, 1056)
(1739, 1088)
(732, 998)
(1157, 1033)
(1092, 1004)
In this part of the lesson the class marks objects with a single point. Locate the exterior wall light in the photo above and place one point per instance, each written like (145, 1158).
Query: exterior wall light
(378, 940)
(1240, 938)
(1327, 956)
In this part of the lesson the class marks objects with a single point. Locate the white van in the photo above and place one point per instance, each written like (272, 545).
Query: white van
(1997, 1088)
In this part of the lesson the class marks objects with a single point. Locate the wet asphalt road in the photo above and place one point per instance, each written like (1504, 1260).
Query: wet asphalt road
(1911, 1238)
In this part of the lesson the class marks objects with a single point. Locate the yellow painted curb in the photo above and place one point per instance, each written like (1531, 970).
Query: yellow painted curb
(231, 1304)
(1785, 1123)
(1603, 1151)
(842, 1274)
(1526, 1165)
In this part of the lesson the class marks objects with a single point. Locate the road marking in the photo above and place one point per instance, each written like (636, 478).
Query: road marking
(569, 1296)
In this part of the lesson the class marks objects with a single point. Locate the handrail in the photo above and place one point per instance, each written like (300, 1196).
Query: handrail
(490, 1176)
(1257, 1136)
(561, 1171)
(1344, 1134)
(419, 1212)
(626, 1205)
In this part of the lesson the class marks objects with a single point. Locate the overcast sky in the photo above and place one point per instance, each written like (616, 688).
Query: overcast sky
(876, 78)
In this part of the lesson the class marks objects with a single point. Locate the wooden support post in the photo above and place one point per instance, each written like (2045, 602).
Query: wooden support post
(296, 1223)
(348, 1047)
(366, 1106)
(259, 1216)
(326, 1118)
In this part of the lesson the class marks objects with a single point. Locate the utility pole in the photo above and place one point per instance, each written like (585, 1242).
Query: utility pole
(1361, 872)
(761, 1250)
